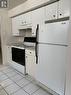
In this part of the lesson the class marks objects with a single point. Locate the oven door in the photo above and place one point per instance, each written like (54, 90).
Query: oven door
(18, 55)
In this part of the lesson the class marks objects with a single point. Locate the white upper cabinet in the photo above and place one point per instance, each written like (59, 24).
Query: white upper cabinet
(20, 21)
(28, 17)
(25, 19)
(51, 11)
(57, 10)
(64, 8)
(15, 25)
(38, 17)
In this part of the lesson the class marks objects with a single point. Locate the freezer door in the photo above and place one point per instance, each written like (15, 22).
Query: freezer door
(50, 69)
(56, 33)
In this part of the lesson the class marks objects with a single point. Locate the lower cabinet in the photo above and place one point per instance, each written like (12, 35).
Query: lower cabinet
(30, 62)
(9, 54)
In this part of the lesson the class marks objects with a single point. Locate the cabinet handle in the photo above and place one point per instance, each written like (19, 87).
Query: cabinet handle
(54, 15)
(63, 23)
(30, 52)
(23, 22)
(60, 14)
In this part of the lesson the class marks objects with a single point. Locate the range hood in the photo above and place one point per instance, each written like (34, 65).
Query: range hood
(25, 27)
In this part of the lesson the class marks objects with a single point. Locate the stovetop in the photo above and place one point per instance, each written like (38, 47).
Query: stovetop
(23, 46)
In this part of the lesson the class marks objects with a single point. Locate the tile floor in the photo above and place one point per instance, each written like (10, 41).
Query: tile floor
(13, 82)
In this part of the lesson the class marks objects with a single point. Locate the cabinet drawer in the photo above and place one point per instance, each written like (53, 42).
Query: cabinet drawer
(30, 52)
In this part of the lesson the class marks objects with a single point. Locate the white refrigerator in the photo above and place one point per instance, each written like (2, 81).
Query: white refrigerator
(51, 54)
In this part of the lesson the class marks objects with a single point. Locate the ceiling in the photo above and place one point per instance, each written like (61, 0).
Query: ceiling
(14, 3)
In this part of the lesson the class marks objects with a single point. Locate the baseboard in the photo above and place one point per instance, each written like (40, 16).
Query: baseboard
(46, 88)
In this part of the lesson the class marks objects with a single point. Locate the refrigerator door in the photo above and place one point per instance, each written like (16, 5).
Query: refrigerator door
(50, 69)
(54, 33)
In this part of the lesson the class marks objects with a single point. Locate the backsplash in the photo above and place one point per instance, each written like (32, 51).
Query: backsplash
(19, 39)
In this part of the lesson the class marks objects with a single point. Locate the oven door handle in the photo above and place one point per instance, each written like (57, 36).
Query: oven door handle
(36, 46)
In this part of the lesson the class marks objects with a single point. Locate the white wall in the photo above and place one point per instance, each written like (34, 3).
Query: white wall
(5, 27)
(5, 31)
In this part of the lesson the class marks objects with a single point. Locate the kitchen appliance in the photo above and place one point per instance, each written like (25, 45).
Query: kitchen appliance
(25, 27)
(51, 53)
(18, 55)
(18, 58)
(30, 41)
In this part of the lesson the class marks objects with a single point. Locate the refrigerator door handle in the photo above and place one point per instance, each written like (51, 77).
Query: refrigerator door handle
(36, 47)
(57, 20)
(36, 53)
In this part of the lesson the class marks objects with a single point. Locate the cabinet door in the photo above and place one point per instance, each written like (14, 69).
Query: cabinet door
(64, 8)
(38, 16)
(51, 11)
(9, 54)
(25, 19)
(15, 25)
(22, 20)
(30, 63)
(28, 18)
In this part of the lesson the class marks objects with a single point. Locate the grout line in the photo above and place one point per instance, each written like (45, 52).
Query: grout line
(4, 89)
(35, 91)
(17, 84)
(15, 91)
(18, 71)
(30, 81)
(14, 81)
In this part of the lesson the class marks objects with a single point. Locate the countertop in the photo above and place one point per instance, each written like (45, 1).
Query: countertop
(22, 46)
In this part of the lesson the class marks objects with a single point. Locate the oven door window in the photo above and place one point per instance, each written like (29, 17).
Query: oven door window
(18, 55)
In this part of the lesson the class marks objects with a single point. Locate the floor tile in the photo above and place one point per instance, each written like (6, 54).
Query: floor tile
(20, 92)
(29, 78)
(2, 68)
(12, 88)
(6, 82)
(21, 74)
(16, 83)
(2, 78)
(1, 73)
(3, 92)
(0, 87)
(16, 78)
(23, 82)
(11, 74)
(41, 92)
(8, 70)
(31, 88)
